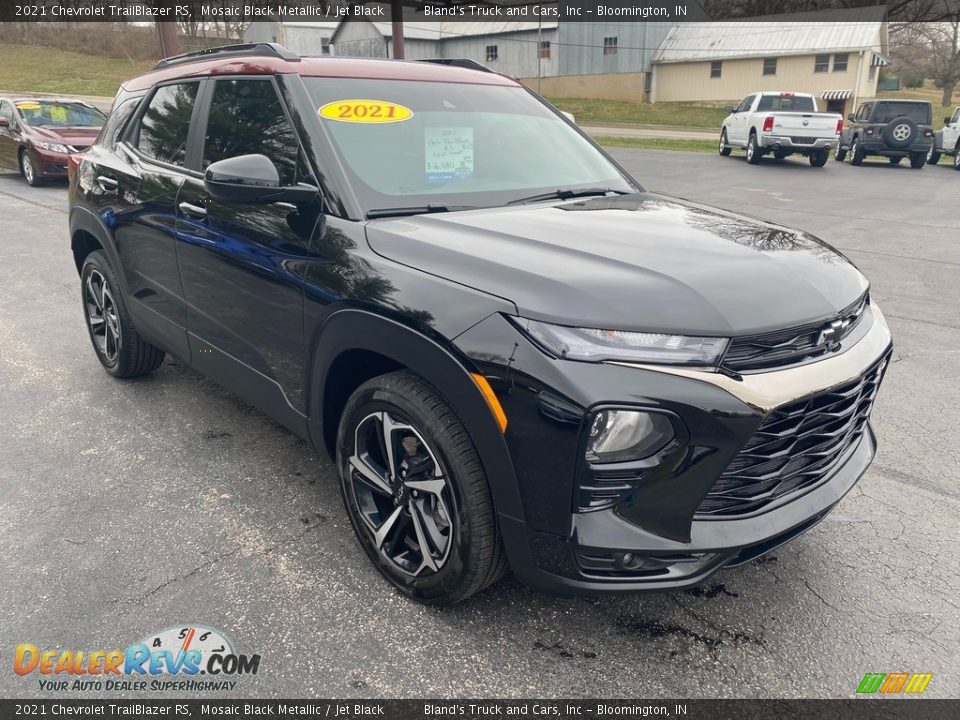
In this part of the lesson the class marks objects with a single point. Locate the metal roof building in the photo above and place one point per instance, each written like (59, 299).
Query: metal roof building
(834, 54)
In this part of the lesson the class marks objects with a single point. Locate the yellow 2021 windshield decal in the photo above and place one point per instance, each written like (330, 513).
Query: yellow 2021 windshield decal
(365, 111)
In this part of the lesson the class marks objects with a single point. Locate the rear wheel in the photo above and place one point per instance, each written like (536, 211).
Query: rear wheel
(856, 153)
(29, 170)
(723, 148)
(118, 346)
(818, 158)
(918, 160)
(753, 150)
(933, 155)
(416, 492)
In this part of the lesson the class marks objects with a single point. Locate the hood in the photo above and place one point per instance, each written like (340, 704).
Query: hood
(634, 262)
(79, 137)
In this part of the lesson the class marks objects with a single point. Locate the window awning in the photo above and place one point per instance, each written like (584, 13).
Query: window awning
(836, 95)
(879, 60)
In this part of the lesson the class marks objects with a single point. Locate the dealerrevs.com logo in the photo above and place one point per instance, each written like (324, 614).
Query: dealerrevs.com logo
(188, 658)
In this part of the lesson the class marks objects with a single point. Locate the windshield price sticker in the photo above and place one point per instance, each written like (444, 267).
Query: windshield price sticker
(449, 153)
(365, 111)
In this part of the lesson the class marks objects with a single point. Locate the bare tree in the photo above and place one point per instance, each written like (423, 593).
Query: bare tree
(931, 49)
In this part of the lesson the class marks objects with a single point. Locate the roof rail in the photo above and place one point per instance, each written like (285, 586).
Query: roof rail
(459, 62)
(263, 49)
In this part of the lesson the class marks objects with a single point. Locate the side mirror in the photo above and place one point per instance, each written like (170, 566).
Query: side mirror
(946, 120)
(4, 122)
(851, 117)
(569, 116)
(728, 109)
(252, 179)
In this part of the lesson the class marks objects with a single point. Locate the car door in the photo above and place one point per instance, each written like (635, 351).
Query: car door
(951, 131)
(738, 121)
(139, 182)
(858, 121)
(8, 136)
(241, 264)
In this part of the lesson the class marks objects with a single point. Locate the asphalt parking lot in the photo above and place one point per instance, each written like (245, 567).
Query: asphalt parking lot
(128, 507)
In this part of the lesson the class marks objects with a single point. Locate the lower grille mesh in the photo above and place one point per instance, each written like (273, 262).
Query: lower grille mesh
(795, 447)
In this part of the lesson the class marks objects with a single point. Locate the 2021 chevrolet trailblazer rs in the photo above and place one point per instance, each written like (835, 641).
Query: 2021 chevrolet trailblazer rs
(516, 355)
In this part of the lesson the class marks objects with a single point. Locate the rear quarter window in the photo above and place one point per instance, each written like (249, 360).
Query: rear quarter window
(887, 111)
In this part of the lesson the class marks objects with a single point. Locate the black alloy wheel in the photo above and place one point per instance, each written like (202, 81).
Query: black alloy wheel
(415, 491)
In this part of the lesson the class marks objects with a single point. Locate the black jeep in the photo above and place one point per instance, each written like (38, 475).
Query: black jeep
(894, 129)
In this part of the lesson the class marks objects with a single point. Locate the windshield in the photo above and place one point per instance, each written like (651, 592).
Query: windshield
(46, 113)
(410, 143)
(788, 103)
(887, 111)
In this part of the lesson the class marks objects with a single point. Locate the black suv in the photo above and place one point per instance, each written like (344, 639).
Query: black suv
(516, 355)
(893, 129)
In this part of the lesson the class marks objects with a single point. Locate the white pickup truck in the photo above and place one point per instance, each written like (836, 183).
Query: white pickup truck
(946, 141)
(780, 123)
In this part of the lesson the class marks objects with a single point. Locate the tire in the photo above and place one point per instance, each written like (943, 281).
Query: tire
(856, 153)
(122, 353)
(753, 150)
(29, 170)
(895, 160)
(422, 427)
(723, 149)
(933, 155)
(900, 132)
(841, 154)
(956, 158)
(918, 160)
(818, 158)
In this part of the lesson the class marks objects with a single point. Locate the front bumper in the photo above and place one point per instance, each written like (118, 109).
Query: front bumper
(49, 164)
(554, 545)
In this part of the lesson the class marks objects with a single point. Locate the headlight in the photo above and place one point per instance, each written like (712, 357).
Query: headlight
(623, 435)
(53, 147)
(596, 345)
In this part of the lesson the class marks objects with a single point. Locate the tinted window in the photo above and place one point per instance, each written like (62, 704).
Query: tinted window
(246, 118)
(786, 103)
(166, 122)
(6, 111)
(115, 122)
(887, 111)
(745, 105)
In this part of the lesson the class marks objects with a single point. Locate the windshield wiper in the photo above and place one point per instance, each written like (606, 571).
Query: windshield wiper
(415, 210)
(566, 194)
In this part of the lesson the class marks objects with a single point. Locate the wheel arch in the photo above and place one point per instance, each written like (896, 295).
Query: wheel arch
(353, 346)
(87, 234)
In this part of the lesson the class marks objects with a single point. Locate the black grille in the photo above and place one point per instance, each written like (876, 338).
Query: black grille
(602, 489)
(795, 447)
(791, 346)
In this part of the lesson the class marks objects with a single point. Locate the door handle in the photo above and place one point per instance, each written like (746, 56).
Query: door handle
(107, 184)
(194, 211)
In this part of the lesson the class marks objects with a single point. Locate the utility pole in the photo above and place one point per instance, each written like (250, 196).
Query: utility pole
(539, 48)
(396, 12)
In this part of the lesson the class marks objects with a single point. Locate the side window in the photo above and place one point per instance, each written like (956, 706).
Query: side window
(864, 112)
(956, 116)
(246, 118)
(745, 105)
(166, 122)
(116, 122)
(6, 111)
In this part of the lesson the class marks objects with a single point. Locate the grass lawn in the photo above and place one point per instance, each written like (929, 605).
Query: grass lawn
(658, 143)
(597, 112)
(929, 93)
(42, 69)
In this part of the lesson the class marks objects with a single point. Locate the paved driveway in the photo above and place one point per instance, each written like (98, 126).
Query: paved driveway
(128, 507)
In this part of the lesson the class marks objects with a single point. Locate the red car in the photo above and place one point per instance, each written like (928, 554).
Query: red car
(37, 136)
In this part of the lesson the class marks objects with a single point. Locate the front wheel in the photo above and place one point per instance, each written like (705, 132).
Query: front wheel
(753, 150)
(723, 148)
(118, 346)
(29, 169)
(956, 158)
(818, 158)
(933, 156)
(841, 154)
(918, 160)
(415, 491)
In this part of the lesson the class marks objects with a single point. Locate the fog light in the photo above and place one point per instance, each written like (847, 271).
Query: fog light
(623, 435)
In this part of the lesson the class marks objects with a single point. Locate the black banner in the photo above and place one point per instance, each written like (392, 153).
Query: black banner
(245, 11)
(856, 709)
